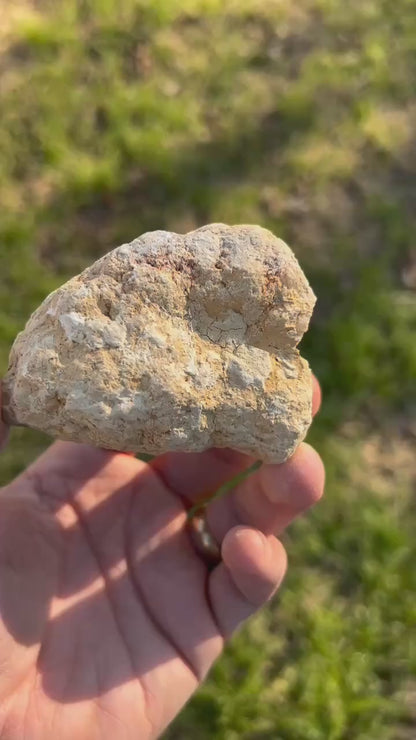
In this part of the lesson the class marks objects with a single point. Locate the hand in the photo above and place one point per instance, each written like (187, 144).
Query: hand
(109, 619)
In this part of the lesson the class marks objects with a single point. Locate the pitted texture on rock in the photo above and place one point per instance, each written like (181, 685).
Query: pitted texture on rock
(172, 342)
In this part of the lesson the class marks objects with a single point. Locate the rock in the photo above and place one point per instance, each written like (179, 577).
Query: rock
(172, 342)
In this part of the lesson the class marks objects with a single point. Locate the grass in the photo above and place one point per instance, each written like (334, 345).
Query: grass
(120, 116)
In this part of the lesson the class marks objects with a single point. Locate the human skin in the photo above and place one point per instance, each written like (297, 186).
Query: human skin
(109, 618)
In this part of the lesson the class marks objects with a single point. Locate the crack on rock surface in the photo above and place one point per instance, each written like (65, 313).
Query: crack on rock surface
(172, 342)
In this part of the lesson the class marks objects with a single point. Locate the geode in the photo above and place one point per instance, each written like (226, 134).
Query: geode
(172, 342)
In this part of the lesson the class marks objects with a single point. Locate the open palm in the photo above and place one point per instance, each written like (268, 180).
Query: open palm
(109, 617)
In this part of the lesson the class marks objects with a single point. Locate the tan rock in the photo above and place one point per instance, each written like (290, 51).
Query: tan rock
(172, 343)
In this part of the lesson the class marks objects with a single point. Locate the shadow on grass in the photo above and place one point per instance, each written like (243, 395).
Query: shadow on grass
(186, 187)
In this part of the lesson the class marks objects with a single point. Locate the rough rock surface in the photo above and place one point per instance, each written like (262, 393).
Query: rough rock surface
(172, 342)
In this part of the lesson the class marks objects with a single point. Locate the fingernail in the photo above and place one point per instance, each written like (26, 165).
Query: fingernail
(256, 539)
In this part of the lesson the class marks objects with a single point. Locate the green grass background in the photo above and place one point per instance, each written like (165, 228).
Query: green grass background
(120, 116)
